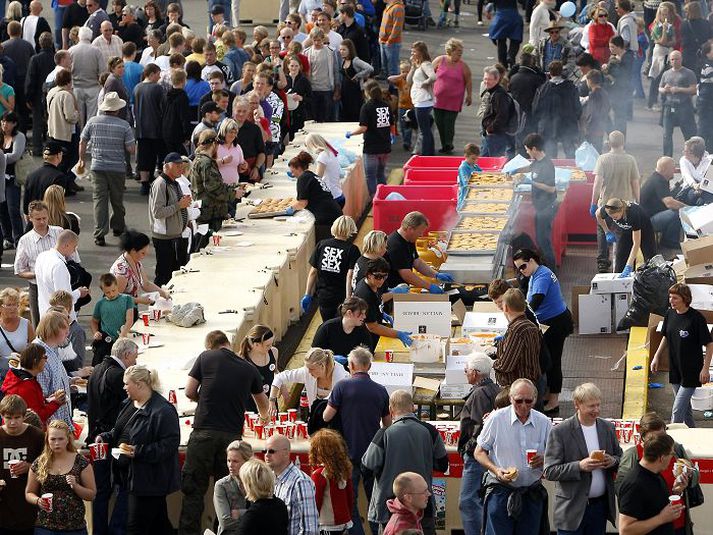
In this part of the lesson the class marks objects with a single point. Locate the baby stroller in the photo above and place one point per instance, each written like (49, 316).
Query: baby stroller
(415, 13)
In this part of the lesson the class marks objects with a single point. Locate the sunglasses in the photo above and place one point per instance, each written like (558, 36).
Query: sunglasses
(271, 451)
(613, 208)
(379, 275)
(525, 401)
(522, 267)
(603, 16)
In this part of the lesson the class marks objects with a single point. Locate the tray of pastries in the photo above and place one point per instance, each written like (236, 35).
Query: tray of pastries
(486, 208)
(270, 208)
(490, 222)
(489, 194)
(469, 242)
(493, 180)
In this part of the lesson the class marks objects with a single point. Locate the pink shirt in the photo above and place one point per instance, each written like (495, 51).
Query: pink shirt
(229, 171)
(449, 88)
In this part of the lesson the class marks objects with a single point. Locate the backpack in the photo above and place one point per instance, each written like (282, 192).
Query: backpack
(517, 119)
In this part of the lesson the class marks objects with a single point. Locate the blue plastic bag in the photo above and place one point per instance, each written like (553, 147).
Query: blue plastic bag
(586, 156)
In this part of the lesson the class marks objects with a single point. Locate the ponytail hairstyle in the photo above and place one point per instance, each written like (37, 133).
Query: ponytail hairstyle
(139, 373)
(257, 335)
(354, 304)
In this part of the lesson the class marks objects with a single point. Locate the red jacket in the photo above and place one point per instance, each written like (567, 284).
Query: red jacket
(24, 384)
(599, 35)
(334, 501)
(401, 518)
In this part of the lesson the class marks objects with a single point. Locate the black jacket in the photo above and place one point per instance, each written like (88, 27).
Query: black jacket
(39, 180)
(356, 34)
(41, 64)
(155, 432)
(105, 395)
(21, 52)
(524, 84)
(497, 114)
(264, 516)
(177, 116)
(557, 109)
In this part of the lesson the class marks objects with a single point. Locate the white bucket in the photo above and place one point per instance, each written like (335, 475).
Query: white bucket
(426, 348)
(702, 399)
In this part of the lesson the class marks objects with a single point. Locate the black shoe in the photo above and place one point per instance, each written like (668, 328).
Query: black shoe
(100, 242)
(117, 233)
(145, 188)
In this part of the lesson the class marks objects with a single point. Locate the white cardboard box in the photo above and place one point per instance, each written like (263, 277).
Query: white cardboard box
(595, 313)
(392, 376)
(702, 296)
(620, 304)
(423, 314)
(455, 366)
(484, 322)
(610, 283)
(700, 219)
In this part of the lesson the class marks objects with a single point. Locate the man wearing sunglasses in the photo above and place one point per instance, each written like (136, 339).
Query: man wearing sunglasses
(502, 446)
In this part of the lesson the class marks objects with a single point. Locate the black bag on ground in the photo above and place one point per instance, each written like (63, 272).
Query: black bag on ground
(651, 284)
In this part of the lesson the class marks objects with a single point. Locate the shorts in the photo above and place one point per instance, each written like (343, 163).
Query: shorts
(148, 153)
(272, 148)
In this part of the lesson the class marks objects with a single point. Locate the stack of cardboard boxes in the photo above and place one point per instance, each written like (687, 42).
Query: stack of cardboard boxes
(601, 310)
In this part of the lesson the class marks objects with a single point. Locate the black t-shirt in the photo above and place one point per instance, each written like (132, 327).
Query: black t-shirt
(634, 219)
(74, 15)
(359, 270)
(320, 202)
(134, 33)
(331, 335)
(642, 495)
(402, 254)
(685, 334)
(333, 259)
(376, 116)
(374, 312)
(543, 171)
(267, 373)
(652, 193)
(225, 381)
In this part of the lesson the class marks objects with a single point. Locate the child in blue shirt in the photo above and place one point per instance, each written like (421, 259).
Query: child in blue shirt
(468, 166)
(113, 317)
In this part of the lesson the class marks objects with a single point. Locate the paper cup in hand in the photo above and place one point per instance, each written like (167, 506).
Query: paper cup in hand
(675, 499)
(13, 466)
(98, 451)
(530, 455)
(47, 499)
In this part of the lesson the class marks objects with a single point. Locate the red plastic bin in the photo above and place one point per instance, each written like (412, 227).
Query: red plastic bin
(437, 203)
(486, 163)
(421, 176)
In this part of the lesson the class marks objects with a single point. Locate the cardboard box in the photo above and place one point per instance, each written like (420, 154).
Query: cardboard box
(458, 391)
(392, 376)
(620, 305)
(423, 314)
(455, 366)
(610, 283)
(700, 219)
(595, 314)
(698, 251)
(700, 274)
(653, 339)
(576, 292)
(702, 296)
(484, 322)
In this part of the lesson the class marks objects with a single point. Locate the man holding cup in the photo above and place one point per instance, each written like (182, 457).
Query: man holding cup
(20, 444)
(581, 458)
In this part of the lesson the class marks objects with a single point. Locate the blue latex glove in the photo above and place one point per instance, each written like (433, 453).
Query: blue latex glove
(348, 135)
(404, 337)
(388, 319)
(305, 303)
(611, 237)
(290, 210)
(593, 210)
(393, 139)
(399, 289)
(341, 359)
(444, 277)
(626, 272)
(435, 289)
(498, 338)
(289, 174)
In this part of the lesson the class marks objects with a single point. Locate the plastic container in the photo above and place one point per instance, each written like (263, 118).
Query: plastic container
(426, 348)
(446, 162)
(702, 399)
(423, 176)
(437, 203)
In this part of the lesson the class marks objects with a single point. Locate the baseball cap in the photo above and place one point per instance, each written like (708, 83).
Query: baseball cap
(172, 157)
(52, 147)
(210, 107)
(217, 10)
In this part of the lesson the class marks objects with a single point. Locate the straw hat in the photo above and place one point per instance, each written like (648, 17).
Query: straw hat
(112, 102)
(553, 26)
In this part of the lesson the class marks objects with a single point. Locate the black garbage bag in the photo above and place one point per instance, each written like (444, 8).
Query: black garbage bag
(651, 284)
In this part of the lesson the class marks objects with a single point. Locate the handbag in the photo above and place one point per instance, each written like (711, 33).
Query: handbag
(694, 493)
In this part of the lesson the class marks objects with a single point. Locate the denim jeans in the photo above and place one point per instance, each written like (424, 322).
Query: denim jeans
(368, 479)
(44, 531)
(636, 79)
(681, 116)
(390, 58)
(323, 106)
(495, 144)
(594, 521)
(425, 130)
(469, 503)
(497, 520)
(543, 234)
(226, 7)
(101, 524)
(406, 132)
(58, 17)
(668, 223)
(602, 247)
(375, 170)
(11, 212)
(681, 412)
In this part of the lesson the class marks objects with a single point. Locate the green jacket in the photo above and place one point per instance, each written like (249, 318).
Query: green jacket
(208, 186)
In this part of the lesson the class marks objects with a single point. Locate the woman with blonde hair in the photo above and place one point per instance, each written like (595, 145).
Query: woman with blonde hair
(52, 332)
(230, 155)
(58, 215)
(16, 332)
(422, 77)
(267, 513)
(258, 349)
(319, 375)
(665, 35)
(373, 246)
(327, 167)
(61, 471)
(12, 12)
(330, 277)
(332, 479)
(148, 435)
(229, 492)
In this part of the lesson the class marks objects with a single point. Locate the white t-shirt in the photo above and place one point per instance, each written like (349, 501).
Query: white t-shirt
(599, 485)
(332, 172)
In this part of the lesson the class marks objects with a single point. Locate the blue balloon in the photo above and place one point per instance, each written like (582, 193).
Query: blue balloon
(568, 9)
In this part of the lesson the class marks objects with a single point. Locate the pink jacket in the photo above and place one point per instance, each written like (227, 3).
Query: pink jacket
(401, 518)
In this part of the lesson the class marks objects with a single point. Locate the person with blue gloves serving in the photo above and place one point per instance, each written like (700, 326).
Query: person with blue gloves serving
(403, 257)
(634, 230)
(368, 289)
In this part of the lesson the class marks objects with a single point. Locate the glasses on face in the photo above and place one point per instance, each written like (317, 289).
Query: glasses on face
(380, 276)
(603, 16)
(271, 451)
(525, 401)
(522, 267)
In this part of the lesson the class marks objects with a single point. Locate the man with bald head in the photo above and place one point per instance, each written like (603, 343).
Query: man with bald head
(34, 24)
(677, 87)
(660, 206)
(293, 487)
(52, 274)
(108, 43)
(412, 495)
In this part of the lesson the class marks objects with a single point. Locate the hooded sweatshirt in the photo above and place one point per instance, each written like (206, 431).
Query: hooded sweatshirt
(24, 384)
(401, 518)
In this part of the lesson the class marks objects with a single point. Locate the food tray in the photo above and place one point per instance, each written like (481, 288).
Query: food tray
(490, 222)
(270, 208)
(486, 208)
(456, 248)
(489, 194)
(491, 180)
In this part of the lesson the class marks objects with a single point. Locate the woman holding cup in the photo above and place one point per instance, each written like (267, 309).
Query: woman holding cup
(58, 483)
(229, 492)
(15, 331)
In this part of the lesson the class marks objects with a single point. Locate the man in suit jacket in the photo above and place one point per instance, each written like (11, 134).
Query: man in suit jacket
(581, 457)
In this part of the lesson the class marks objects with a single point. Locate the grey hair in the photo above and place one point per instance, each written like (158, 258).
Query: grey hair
(492, 71)
(480, 362)
(696, 145)
(124, 347)
(361, 357)
(85, 34)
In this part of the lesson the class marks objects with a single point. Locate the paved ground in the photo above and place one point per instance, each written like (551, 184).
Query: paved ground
(644, 141)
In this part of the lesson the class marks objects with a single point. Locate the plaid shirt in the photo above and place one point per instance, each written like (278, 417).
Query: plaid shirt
(108, 136)
(52, 378)
(296, 489)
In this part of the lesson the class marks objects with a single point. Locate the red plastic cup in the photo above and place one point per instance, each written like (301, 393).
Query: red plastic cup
(530, 454)
(12, 465)
(145, 318)
(247, 420)
(269, 431)
(259, 430)
(156, 313)
(283, 417)
(145, 338)
(98, 451)
(290, 430)
(389, 355)
(292, 415)
(47, 499)
(302, 430)
(674, 499)
(172, 397)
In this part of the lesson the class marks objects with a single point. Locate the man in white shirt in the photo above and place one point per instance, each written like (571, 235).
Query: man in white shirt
(42, 237)
(34, 24)
(108, 43)
(52, 274)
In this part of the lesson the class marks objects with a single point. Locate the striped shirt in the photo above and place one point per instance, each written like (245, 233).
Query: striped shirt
(518, 353)
(54, 377)
(392, 23)
(296, 489)
(109, 135)
(30, 246)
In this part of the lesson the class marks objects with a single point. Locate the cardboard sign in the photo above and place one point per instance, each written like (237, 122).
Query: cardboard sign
(392, 376)
(422, 314)
(455, 366)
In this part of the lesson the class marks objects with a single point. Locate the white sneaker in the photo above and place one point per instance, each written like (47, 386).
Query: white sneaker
(480, 23)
